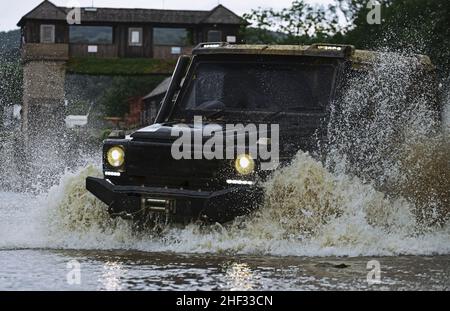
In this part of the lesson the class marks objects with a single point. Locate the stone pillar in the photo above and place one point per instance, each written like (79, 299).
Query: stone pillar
(43, 111)
(43, 99)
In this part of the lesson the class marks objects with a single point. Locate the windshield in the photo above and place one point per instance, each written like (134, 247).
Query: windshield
(256, 86)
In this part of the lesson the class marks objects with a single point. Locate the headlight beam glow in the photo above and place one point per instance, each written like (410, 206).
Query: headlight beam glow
(244, 164)
(116, 156)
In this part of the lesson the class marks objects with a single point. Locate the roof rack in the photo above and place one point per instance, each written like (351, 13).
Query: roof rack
(210, 45)
(345, 49)
(317, 49)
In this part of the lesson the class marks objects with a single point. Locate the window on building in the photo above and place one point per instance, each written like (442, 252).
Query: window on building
(214, 36)
(91, 34)
(171, 36)
(135, 36)
(47, 33)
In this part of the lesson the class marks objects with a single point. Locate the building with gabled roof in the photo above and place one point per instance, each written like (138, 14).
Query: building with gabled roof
(116, 32)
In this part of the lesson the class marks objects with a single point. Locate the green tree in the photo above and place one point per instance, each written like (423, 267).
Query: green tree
(10, 70)
(414, 26)
(115, 99)
(419, 26)
(300, 23)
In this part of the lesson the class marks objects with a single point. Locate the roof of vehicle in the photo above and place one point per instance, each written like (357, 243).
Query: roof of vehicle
(317, 49)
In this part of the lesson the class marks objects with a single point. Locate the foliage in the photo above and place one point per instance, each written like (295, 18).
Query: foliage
(105, 133)
(111, 82)
(419, 26)
(10, 69)
(119, 66)
(9, 46)
(300, 23)
(115, 98)
(82, 91)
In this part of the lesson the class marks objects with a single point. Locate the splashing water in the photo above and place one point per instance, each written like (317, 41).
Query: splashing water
(383, 190)
(387, 130)
(309, 211)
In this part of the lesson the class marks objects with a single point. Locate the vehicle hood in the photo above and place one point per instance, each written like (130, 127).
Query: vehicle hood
(168, 132)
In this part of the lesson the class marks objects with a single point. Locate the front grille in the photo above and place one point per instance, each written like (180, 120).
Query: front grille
(151, 164)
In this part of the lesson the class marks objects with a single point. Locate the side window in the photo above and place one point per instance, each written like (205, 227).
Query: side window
(135, 36)
(47, 33)
(214, 36)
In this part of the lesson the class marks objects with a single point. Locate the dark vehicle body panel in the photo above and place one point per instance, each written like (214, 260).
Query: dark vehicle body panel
(187, 189)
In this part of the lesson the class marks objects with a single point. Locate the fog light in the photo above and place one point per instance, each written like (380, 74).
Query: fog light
(240, 182)
(244, 164)
(116, 156)
(114, 174)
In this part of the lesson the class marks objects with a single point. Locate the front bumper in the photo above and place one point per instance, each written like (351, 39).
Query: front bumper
(181, 205)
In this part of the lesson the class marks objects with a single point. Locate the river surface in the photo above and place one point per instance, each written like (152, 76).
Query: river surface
(46, 269)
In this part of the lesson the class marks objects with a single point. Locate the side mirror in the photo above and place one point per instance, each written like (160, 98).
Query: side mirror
(177, 78)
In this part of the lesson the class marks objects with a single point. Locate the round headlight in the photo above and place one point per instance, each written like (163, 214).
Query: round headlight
(244, 164)
(115, 156)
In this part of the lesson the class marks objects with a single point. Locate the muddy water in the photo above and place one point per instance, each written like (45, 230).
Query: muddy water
(45, 238)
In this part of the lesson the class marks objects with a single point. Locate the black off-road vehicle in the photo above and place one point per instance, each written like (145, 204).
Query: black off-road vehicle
(292, 86)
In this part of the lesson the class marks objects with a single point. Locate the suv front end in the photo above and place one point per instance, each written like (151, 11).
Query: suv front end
(141, 177)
